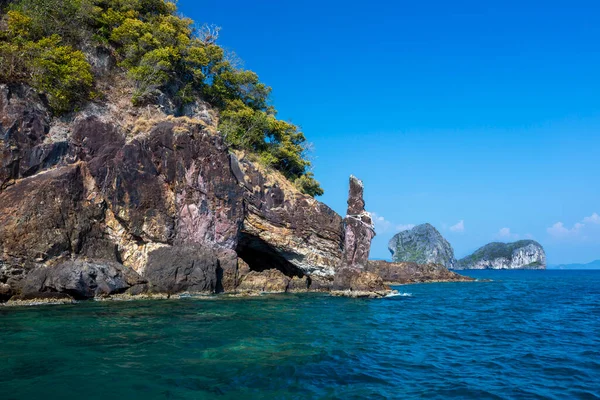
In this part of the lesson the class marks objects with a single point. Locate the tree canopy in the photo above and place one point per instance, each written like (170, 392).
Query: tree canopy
(43, 44)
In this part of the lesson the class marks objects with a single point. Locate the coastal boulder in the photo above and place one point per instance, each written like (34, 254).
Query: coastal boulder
(524, 254)
(270, 280)
(80, 280)
(359, 280)
(422, 244)
(188, 269)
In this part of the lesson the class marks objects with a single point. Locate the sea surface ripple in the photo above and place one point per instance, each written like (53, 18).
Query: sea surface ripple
(523, 335)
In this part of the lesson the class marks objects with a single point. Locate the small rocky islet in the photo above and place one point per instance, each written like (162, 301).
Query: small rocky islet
(523, 254)
(424, 244)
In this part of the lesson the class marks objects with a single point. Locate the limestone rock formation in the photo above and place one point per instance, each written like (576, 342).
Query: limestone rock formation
(524, 254)
(163, 198)
(358, 227)
(282, 227)
(422, 244)
(358, 234)
(110, 201)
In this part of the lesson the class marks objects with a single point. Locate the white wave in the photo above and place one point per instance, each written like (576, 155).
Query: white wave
(399, 294)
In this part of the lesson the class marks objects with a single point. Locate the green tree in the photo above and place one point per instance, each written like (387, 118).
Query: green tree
(43, 43)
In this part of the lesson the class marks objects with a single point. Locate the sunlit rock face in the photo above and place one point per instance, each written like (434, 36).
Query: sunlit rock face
(422, 244)
(118, 188)
(524, 254)
(358, 227)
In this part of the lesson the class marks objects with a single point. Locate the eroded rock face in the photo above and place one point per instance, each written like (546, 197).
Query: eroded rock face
(191, 268)
(24, 124)
(271, 280)
(80, 279)
(524, 254)
(422, 244)
(358, 279)
(409, 272)
(358, 228)
(168, 202)
(305, 233)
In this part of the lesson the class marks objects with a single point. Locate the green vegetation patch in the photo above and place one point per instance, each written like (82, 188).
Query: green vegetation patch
(43, 44)
(496, 250)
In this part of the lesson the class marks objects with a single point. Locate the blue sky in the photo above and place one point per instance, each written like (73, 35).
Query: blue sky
(481, 118)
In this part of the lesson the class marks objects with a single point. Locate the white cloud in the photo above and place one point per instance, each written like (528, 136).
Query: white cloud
(459, 227)
(382, 225)
(592, 219)
(505, 233)
(559, 230)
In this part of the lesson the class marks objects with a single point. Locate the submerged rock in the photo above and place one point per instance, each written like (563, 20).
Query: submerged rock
(524, 254)
(422, 244)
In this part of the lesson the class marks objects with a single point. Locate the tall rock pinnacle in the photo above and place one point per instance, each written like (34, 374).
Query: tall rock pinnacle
(358, 227)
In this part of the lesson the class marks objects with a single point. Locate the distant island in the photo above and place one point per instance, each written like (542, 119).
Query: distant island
(422, 244)
(591, 265)
(425, 244)
(524, 254)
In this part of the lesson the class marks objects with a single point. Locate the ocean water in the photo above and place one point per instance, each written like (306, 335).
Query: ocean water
(524, 335)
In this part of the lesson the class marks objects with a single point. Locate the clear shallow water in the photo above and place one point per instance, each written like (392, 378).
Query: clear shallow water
(526, 335)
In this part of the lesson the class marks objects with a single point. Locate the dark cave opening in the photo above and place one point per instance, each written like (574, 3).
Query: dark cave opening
(261, 256)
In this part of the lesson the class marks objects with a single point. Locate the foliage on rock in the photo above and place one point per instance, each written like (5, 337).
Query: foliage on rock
(45, 44)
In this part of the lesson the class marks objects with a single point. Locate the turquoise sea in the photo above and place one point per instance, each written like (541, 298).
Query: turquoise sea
(524, 335)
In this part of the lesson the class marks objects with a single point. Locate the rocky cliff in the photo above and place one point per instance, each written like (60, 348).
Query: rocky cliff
(524, 254)
(422, 244)
(114, 199)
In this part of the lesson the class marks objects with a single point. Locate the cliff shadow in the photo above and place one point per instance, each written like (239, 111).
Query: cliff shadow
(260, 256)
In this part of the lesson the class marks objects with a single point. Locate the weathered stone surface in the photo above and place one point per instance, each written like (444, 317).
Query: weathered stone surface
(357, 279)
(358, 228)
(161, 196)
(48, 216)
(524, 254)
(422, 244)
(6, 292)
(233, 275)
(191, 268)
(80, 280)
(270, 280)
(24, 123)
(298, 284)
(279, 219)
(37, 298)
(409, 272)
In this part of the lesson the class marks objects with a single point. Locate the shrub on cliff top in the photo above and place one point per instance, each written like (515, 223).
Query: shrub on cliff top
(43, 44)
(44, 62)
